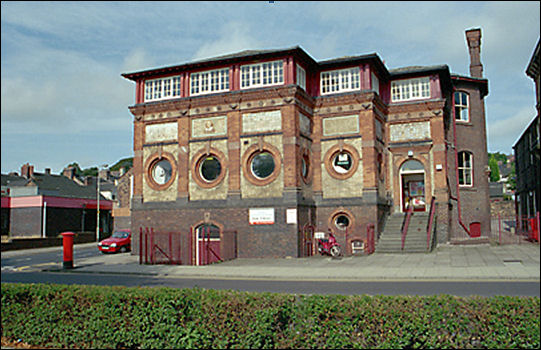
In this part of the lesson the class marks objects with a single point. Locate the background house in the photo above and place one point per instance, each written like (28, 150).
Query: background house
(45, 205)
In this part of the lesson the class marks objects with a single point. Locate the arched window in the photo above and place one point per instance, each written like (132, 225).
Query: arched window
(412, 166)
(462, 110)
(465, 168)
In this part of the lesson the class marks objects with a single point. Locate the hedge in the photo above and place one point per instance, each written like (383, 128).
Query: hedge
(73, 316)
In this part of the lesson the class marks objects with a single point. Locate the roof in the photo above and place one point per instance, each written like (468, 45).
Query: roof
(223, 59)
(533, 67)
(258, 54)
(482, 82)
(495, 189)
(13, 180)
(52, 185)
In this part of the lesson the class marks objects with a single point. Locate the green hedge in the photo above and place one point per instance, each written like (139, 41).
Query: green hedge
(121, 317)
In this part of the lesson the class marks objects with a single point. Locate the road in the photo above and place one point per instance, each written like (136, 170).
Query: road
(29, 268)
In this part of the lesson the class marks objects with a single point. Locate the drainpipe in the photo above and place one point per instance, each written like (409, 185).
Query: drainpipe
(44, 232)
(456, 168)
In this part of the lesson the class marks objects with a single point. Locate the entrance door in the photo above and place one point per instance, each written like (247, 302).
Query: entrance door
(412, 179)
(208, 244)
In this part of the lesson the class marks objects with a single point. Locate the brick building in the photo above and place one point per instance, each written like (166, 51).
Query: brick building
(267, 142)
(527, 151)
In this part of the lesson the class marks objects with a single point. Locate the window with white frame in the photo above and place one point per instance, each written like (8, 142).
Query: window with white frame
(163, 88)
(262, 74)
(465, 169)
(410, 89)
(209, 81)
(461, 106)
(301, 77)
(340, 80)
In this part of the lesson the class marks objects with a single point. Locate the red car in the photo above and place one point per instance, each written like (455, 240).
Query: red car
(120, 241)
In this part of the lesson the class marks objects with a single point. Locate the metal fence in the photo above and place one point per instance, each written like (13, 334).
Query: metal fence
(514, 229)
(185, 248)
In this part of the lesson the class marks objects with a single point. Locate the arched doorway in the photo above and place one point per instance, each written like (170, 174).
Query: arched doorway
(412, 184)
(208, 244)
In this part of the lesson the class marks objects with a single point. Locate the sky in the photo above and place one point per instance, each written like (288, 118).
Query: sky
(64, 99)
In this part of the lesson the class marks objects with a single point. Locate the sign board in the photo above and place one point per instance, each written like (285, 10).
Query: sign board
(291, 216)
(319, 235)
(261, 216)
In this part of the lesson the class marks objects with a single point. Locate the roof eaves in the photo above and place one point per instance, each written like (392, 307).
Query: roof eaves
(252, 54)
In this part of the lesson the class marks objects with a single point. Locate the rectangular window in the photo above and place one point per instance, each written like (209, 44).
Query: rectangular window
(160, 89)
(461, 107)
(262, 74)
(301, 77)
(209, 82)
(465, 168)
(340, 80)
(410, 89)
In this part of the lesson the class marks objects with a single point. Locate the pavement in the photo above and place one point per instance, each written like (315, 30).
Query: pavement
(486, 262)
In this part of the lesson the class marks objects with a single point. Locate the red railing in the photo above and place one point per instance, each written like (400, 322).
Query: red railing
(430, 222)
(406, 224)
(506, 229)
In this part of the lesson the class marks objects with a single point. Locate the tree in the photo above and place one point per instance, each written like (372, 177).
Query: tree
(494, 169)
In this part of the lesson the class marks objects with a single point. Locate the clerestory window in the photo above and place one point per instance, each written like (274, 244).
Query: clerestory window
(340, 80)
(160, 89)
(209, 81)
(410, 89)
(262, 74)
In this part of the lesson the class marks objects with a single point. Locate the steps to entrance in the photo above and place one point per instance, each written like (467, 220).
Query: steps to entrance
(390, 240)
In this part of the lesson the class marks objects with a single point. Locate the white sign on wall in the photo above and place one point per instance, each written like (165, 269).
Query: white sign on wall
(291, 216)
(261, 216)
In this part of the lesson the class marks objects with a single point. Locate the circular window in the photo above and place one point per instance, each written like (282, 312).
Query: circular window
(341, 221)
(161, 172)
(305, 168)
(262, 165)
(342, 162)
(210, 168)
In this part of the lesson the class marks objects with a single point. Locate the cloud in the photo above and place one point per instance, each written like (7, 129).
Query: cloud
(79, 94)
(503, 133)
(232, 37)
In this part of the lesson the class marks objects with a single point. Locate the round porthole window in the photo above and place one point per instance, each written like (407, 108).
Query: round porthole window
(341, 221)
(161, 172)
(342, 162)
(210, 168)
(262, 165)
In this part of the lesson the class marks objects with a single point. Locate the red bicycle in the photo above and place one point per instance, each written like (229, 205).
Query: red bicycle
(329, 246)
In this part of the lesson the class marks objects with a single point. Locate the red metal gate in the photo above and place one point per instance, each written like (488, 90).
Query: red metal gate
(307, 240)
(208, 244)
(162, 248)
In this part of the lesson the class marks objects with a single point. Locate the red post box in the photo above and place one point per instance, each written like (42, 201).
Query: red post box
(67, 243)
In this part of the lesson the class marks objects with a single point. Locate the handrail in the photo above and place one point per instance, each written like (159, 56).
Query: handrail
(406, 224)
(430, 222)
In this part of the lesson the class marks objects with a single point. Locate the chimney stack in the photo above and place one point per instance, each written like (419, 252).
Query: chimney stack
(473, 36)
(48, 171)
(27, 170)
(69, 172)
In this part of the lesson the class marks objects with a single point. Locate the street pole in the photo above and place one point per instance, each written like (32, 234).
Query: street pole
(98, 207)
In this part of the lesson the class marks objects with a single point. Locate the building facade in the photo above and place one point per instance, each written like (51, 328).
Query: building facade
(43, 205)
(527, 151)
(270, 142)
